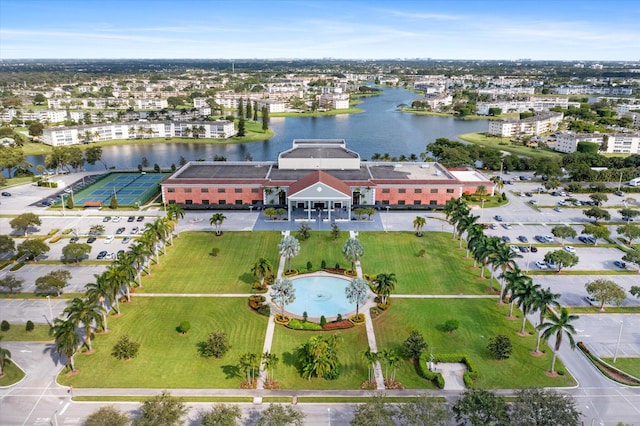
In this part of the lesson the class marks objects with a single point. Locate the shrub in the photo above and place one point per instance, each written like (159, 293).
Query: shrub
(337, 266)
(305, 316)
(5, 326)
(500, 346)
(264, 310)
(451, 326)
(216, 345)
(422, 252)
(256, 301)
(125, 348)
(184, 327)
(296, 324)
(339, 318)
(323, 321)
(30, 326)
(323, 264)
(214, 252)
(309, 266)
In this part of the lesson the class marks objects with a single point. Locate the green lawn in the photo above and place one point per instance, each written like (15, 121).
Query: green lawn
(479, 321)
(168, 359)
(18, 333)
(442, 270)
(504, 144)
(354, 369)
(320, 246)
(628, 365)
(229, 272)
(12, 374)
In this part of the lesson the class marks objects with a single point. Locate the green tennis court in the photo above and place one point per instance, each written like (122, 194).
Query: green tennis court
(130, 189)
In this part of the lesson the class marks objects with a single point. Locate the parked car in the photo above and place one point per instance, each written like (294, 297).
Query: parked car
(140, 219)
(540, 239)
(126, 240)
(549, 239)
(493, 226)
(562, 203)
(523, 249)
(627, 219)
(552, 265)
(586, 239)
(620, 264)
(619, 193)
(101, 255)
(134, 230)
(533, 202)
(514, 249)
(523, 239)
(506, 226)
(6, 194)
(91, 240)
(110, 256)
(570, 249)
(498, 218)
(74, 239)
(557, 209)
(534, 249)
(120, 230)
(506, 239)
(106, 218)
(541, 265)
(109, 239)
(131, 218)
(528, 194)
(116, 219)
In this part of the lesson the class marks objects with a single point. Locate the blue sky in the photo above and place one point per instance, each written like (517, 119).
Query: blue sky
(463, 29)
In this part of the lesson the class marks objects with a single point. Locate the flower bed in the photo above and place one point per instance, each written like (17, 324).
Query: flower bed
(359, 320)
(297, 324)
(337, 325)
(283, 320)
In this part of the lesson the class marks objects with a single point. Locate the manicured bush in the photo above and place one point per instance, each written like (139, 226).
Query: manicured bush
(264, 310)
(309, 266)
(55, 239)
(256, 301)
(450, 326)
(422, 252)
(323, 321)
(305, 316)
(296, 324)
(339, 318)
(30, 326)
(5, 326)
(184, 327)
(125, 348)
(323, 264)
(214, 252)
(216, 345)
(500, 346)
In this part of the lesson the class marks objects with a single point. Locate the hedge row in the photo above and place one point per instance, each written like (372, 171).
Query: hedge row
(607, 369)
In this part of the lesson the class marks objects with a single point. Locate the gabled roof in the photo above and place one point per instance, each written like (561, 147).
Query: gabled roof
(319, 177)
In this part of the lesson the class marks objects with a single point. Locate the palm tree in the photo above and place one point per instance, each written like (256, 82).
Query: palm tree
(5, 356)
(558, 325)
(514, 280)
(475, 237)
(371, 358)
(454, 209)
(524, 296)
(289, 248)
(216, 220)
(270, 361)
(484, 252)
(497, 180)
(115, 282)
(283, 293)
(465, 222)
(543, 300)
(384, 285)
(352, 251)
(128, 269)
(262, 269)
(66, 340)
(319, 356)
(175, 212)
(139, 255)
(149, 241)
(418, 224)
(161, 229)
(97, 292)
(504, 258)
(85, 311)
(356, 292)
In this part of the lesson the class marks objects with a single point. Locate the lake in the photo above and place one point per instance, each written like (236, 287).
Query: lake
(379, 129)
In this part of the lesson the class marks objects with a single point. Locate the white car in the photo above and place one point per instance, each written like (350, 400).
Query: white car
(109, 239)
(110, 256)
(570, 249)
(541, 265)
(549, 238)
(116, 219)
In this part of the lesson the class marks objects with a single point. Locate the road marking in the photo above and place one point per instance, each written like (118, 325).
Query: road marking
(64, 408)
(37, 402)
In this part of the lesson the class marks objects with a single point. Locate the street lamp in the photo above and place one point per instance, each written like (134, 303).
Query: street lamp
(62, 198)
(538, 200)
(615, 355)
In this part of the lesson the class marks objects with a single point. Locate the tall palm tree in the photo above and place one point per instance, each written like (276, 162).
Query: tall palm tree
(497, 180)
(514, 280)
(371, 358)
(356, 292)
(85, 311)
(66, 340)
(524, 296)
(161, 229)
(484, 252)
(289, 248)
(149, 241)
(352, 251)
(139, 255)
(283, 292)
(216, 220)
(127, 267)
(544, 299)
(115, 280)
(475, 238)
(384, 284)
(464, 223)
(262, 269)
(454, 209)
(175, 212)
(504, 258)
(558, 326)
(98, 292)
(418, 224)
(269, 361)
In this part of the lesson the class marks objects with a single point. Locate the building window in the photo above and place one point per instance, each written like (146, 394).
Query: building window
(171, 190)
(238, 191)
(449, 191)
(187, 190)
(385, 190)
(433, 203)
(255, 190)
(402, 191)
(417, 191)
(222, 201)
(221, 190)
(417, 202)
(434, 190)
(401, 202)
(205, 201)
(204, 190)
(172, 201)
(385, 202)
(188, 201)
(239, 202)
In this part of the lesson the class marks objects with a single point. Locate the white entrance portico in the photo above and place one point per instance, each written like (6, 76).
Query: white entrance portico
(319, 192)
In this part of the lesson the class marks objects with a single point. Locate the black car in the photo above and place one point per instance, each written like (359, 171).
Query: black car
(120, 230)
(140, 219)
(106, 218)
(528, 194)
(101, 255)
(619, 193)
(524, 249)
(523, 239)
(6, 194)
(91, 240)
(540, 239)
(74, 239)
(620, 264)
(506, 239)
(534, 249)
(131, 218)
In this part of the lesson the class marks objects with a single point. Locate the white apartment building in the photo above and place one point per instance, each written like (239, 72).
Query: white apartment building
(61, 136)
(619, 143)
(534, 103)
(272, 106)
(593, 90)
(541, 123)
(495, 91)
(334, 100)
(150, 103)
(437, 101)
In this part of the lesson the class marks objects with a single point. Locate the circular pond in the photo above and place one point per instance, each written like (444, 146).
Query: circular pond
(320, 295)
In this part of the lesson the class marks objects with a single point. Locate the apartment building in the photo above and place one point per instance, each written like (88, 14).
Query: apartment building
(618, 143)
(533, 104)
(541, 123)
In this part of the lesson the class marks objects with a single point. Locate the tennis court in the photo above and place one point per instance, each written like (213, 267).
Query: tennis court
(130, 189)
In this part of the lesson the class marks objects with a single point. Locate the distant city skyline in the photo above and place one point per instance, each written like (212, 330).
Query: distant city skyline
(582, 30)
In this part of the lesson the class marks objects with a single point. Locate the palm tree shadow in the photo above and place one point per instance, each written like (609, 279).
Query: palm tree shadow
(231, 371)
(53, 353)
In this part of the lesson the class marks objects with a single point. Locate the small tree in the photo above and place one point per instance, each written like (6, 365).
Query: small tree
(283, 293)
(606, 291)
(32, 248)
(635, 290)
(29, 326)
(479, 407)
(598, 231)
(113, 204)
(53, 282)
(414, 346)
(216, 345)
(74, 252)
(24, 222)
(107, 416)
(562, 258)
(563, 231)
(221, 415)
(630, 231)
(596, 213)
(304, 231)
(450, 326)
(5, 326)
(353, 251)
(280, 415)
(543, 407)
(335, 231)
(11, 283)
(184, 327)
(125, 348)
(96, 230)
(500, 347)
(356, 292)
(162, 409)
